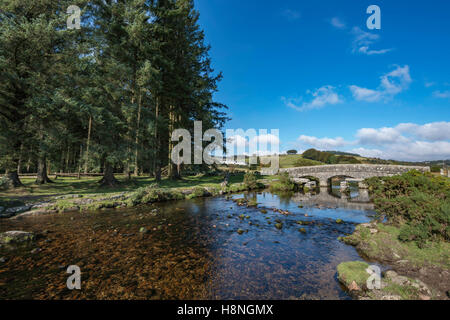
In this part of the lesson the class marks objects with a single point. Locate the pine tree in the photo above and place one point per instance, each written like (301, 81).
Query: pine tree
(105, 97)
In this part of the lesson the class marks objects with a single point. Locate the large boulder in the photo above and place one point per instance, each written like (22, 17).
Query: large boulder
(16, 237)
(14, 211)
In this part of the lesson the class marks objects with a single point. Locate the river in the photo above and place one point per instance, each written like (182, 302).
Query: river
(191, 250)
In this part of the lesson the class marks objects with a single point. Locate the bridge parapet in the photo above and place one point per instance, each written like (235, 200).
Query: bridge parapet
(355, 171)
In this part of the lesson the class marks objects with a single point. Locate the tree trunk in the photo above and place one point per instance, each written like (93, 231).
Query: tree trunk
(19, 164)
(87, 145)
(136, 156)
(127, 168)
(28, 164)
(13, 180)
(80, 160)
(67, 159)
(172, 167)
(108, 179)
(156, 160)
(42, 177)
(174, 172)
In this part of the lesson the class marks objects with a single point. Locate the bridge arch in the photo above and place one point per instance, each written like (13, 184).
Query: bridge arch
(355, 171)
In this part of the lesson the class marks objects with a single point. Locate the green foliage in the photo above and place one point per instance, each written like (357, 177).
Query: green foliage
(283, 183)
(329, 157)
(436, 169)
(3, 183)
(292, 152)
(199, 192)
(353, 271)
(251, 180)
(296, 160)
(347, 160)
(373, 246)
(306, 163)
(418, 203)
(105, 97)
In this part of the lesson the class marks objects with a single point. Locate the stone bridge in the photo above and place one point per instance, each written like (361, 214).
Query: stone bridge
(355, 171)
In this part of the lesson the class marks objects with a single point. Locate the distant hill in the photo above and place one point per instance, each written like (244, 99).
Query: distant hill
(342, 153)
(338, 157)
(437, 163)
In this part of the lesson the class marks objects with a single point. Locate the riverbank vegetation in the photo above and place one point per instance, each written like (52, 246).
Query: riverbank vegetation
(417, 203)
(136, 188)
(282, 183)
(411, 233)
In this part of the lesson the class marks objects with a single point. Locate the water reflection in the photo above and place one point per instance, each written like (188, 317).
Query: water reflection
(193, 250)
(334, 198)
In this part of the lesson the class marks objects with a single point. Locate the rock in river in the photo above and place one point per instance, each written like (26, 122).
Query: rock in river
(13, 211)
(11, 237)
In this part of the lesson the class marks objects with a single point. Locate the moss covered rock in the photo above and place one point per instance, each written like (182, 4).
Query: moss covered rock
(351, 273)
(13, 237)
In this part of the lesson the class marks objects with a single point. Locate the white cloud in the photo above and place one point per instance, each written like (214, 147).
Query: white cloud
(420, 150)
(323, 96)
(269, 139)
(366, 50)
(362, 41)
(337, 23)
(412, 151)
(383, 136)
(406, 141)
(370, 153)
(391, 84)
(364, 94)
(323, 143)
(397, 80)
(442, 95)
(436, 131)
(263, 144)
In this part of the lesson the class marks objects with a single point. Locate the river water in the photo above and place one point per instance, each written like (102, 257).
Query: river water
(192, 250)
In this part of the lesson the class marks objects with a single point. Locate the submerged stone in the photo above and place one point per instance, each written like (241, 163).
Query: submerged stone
(11, 237)
(143, 230)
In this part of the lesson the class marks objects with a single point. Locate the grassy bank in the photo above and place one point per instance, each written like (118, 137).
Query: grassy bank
(381, 242)
(72, 194)
(90, 185)
(414, 238)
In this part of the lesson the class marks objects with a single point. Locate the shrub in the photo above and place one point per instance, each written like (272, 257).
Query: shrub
(417, 203)
(306, 163)
(3, 183)
(283, 183)
(436, 169)
(197, 192)
(236, 188)
(251, 180)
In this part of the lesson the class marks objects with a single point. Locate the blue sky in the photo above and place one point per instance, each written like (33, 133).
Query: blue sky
(313, 70)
